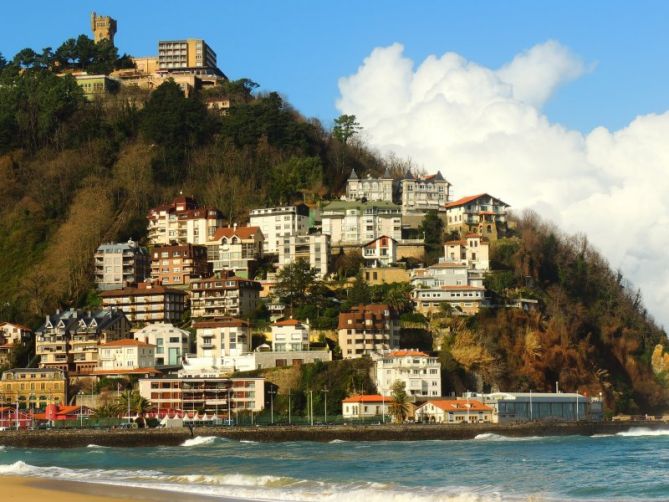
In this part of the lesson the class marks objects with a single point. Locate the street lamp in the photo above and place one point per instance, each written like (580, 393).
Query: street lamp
(271, 405)
(31, 401)
(81, 415)
(229, 392)
(325, 413)
(290, 421)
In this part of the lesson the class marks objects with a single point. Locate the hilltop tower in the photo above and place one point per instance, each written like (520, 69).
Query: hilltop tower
(103, 27)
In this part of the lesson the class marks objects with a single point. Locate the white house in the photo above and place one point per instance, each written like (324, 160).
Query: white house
(472, 251)
(366, 406)
(482, 214)
(356, 223)
(314, 249)
(290, 335)
(369, 188)
(420, 373)
(454, 411)
(380, 252)
(466, 299)
(280, 223)
(216, 339)
(126, 354)
(171, 343)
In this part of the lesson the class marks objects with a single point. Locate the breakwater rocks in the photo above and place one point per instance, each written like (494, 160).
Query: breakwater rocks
(73, 438)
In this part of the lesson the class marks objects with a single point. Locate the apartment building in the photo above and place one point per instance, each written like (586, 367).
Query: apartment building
(182, 221)
(380, 252)
(278, 224)
(441, 274)
(189, 54)
(356, 223)
(424, 193)
(172, 343)
(482, 214)
(419, 372)
(465, 299)
(314, 249)
(472, 251)
(121, 264)
(218, 339)
(237, 249)
(33, 388)
(223, 296)
(11, 336)
(124, 355)
(370, 188)
(214, 395)
(179, 265)
(367, 329)
(69, 339)
(147, 303)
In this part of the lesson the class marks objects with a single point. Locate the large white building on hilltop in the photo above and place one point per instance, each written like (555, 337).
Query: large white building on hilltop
(420, 373)
(279, 224)
(369, 188)
(357, 223)
(424, 193)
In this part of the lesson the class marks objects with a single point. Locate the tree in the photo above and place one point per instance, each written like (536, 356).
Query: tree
(294, 281)
(133, 401)
(360, 293)
(399, 407)
(432, 229)
(345, 128)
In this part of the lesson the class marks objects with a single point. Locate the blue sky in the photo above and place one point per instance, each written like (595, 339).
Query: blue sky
(301, 48)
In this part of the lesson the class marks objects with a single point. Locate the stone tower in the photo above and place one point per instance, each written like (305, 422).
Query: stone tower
(104, 27)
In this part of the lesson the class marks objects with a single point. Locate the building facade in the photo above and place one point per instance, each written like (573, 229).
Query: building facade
(121, 264)
(454, 411)
(215, 396)
(172, 344)
(420, 373)
(103, 28)
(314, 249)
(368, 329)
(367, 406)
(147, 303)
(33, 388)
(380, 252)
(179, 265)
(424, 193)
(69, 339)
(127, 354)
(472, 251)
(290, 335)
(356, 223)
(218, 339)
(481, 214)
(189, 54)
(237, 249)
(223, 297)
(465, 299)
(11, 337)
(182, 221)
(279, 224)
(370, 188)
(510, 407)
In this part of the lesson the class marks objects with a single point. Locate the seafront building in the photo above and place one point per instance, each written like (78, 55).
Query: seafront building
(419, 372)
(121, 264)
(33, 388)
(454, 411)
(368, 406)
(511, 407)
(368, 329)
(278, 224)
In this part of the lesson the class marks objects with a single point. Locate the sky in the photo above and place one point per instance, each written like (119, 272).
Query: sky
(556, 106)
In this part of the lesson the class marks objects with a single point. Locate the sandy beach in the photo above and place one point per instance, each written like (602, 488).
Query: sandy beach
(15, 489)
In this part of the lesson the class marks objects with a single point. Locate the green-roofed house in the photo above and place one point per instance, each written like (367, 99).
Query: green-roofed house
(354, 223)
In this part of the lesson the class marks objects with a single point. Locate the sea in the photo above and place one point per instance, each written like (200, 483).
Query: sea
(628, 466)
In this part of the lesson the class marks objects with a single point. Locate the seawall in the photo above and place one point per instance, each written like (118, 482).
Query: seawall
(172, 437)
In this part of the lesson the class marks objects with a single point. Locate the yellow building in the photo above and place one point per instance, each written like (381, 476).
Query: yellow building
(185, 54)
(375, 276)
(33, 388)
(103, 27)
(96, 85)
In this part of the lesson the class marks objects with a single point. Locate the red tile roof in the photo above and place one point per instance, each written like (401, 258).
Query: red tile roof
(221, 323)
(287, 322)
(20, 326)
(464, 200)
(368, 398)
(463, 287)
(136, 371)
(142, 290)
(240, 232)
(460, 405)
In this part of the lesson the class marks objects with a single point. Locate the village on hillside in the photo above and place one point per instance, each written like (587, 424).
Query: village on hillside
(203, 320)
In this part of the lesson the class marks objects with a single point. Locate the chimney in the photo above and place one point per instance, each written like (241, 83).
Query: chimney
(235, 226)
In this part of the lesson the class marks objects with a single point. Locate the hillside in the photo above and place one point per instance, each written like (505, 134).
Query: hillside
(77, 173)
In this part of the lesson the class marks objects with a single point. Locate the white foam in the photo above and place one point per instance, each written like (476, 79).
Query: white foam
(489, 436)
(642, 432)
(199, 441)
(250, 487)
(248, 441)
(335, 441)
(96, 446)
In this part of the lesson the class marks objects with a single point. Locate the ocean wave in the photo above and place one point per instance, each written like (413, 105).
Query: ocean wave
(244, 486)
(199, 441)
(248, 441)
(643, 431)
(96, 446)
(490, 436)
(336, 441)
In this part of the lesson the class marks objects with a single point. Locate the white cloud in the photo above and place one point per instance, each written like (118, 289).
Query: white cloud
(484, 129)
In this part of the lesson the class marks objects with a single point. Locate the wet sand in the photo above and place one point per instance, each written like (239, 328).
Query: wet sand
(17, 489)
